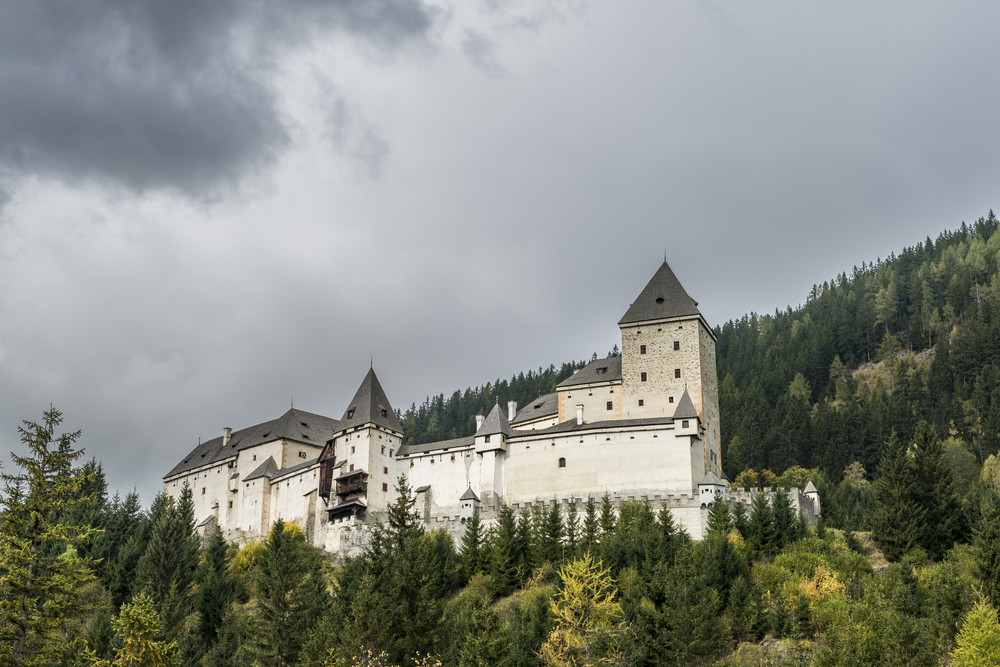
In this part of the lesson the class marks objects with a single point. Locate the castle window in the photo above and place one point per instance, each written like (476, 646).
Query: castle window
(670, 400)
(304, 424)
(385, 487)
(302, 455)
(384, 412)
(352, 449)
(659, 299)
(677, 345)
(610, 405)
(203, 490)
(352, 468)
(383, 450)
(642, 349)
(350, 413)
(562, 463)
(230, 504)
(641, 402)
(390, 452)
(487, 438)
(685, 423)
(642, 376)
(677, 372)
(385, 471)
(602, 370)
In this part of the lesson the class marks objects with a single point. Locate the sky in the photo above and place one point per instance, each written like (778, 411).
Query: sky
(209, 211)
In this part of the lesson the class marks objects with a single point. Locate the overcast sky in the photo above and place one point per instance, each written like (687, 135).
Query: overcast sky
(209, 208)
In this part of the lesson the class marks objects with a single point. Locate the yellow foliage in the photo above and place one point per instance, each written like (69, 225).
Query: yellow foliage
(247, 557)
(823, 582)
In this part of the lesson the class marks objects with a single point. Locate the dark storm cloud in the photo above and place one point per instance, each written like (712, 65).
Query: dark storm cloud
(163, 95)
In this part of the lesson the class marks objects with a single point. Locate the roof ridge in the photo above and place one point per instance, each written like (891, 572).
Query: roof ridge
(662, 297)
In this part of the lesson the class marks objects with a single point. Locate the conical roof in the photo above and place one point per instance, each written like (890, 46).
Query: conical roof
(495, 422)
(685, 408)
(811, 488)
(370, 406)
(663, 297)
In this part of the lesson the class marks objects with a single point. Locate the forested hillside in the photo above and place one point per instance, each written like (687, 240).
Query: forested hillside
(913, 337)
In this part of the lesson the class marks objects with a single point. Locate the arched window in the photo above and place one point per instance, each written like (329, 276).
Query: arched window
(562, 463)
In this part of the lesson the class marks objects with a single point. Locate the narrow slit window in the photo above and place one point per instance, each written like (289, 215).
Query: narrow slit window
(642, 376)
(562, 463)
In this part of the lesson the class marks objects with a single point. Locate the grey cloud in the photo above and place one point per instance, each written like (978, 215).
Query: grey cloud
(481, 51)
(153, 95)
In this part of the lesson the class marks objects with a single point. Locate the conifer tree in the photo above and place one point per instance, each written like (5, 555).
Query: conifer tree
(473, 556)
(898, 520)
(137, 628)
(404, 523)
(41, 575)
(978, 640)
(986, 545)
(503, 551)
(214, 588)
(572, 528)
(935, 491)
(589, 622)
(167, 566)
(291, 594)
(590, 525)
(553, 534)
(760, 527)
(719, 521)
(607, 520)
(784, 519)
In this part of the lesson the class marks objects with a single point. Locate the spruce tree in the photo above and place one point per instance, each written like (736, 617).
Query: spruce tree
(503, 551)
(935, 491)
(41, 575)
(986, 545)
(167, 566)
(897, 524)
(719, 520)
(591, 526)
(978, 640)
(291, 594)
(214, 588)
(760, 528)
(572, 528)
(607, 520)
(472, 557)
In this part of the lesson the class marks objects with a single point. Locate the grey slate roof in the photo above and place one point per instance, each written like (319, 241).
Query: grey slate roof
(662, 297)
(291, 470)
(265, 469)
(469, 495)
(685, 408)
(297, 425)
(570, 425)
(712, 479)
(368, 406)
(811, 488)
(592, 372)
(543, 406)
(455, 443)
(496, 422)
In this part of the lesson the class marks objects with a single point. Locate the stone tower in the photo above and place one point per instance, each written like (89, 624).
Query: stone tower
(667, 349)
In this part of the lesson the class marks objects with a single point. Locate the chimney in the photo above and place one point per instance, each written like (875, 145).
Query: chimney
(511, 410)
(479, 422)
(579, 415)
(226, 434)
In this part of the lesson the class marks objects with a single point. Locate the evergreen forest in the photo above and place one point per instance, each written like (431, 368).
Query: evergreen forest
(883, 389)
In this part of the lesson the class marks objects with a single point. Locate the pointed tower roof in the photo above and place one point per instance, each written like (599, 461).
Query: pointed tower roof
(685, 407)
(663, 297)
(469, 495)
(495, 422)
(370, 406)
(811, 488)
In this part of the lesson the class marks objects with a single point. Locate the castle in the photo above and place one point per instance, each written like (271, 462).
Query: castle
(642, 426)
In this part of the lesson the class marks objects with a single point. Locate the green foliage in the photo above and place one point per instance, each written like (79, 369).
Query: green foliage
(588, 620)
(42, 577)
(291, 595)
(978, 641)
(136, 629)
(897, 524)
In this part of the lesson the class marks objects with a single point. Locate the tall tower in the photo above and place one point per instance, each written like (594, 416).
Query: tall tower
(667, 348)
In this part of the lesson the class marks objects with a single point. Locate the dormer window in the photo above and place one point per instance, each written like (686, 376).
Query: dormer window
(384, 412)
(350, 413)
(659, 299)
(602, 370)
(685, 423)
(487, 439)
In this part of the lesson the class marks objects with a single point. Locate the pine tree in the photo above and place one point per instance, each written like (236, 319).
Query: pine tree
(978, 640)
(214, 589)
(898, 521)
(719, 520)
(503, 551)
(760, 528)
(784, 519)
(986, 545)
(167, 566)
(589, 622)
(41, 575)
(291, 594)
(136, 628)
(473, 556)
(590, 525)
(935, 491)
(404, 523)
(572, 528)
(607, 519)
